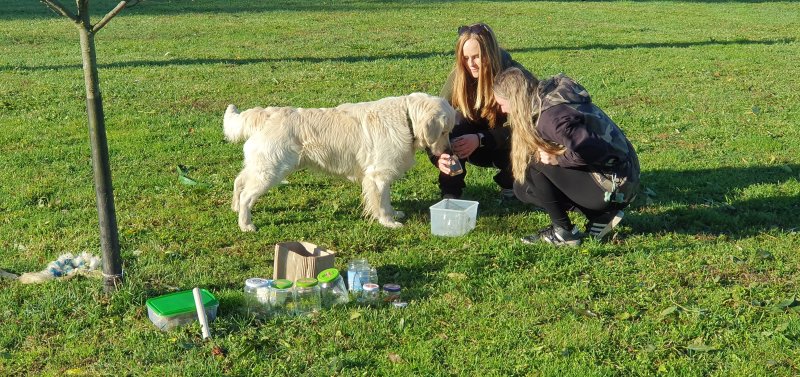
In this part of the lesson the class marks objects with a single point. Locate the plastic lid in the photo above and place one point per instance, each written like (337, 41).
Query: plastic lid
(282, 284)
(256, 282)
(391, 287)
(306, 282)
(370, 287)
(327, 276)
(179, 302)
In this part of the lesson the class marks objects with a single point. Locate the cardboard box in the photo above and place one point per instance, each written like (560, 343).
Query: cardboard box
(295, 260)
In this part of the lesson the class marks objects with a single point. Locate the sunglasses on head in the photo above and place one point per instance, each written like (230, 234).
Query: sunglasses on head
(476, 29)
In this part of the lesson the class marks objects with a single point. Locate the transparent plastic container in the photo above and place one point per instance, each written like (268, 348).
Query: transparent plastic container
(333, 291)
(453, 217)
(370, 294)
(357, 274)
(256, 296)
(307, 296)
(176, 309)
(391, 292)
(281, 297)
(455, 166)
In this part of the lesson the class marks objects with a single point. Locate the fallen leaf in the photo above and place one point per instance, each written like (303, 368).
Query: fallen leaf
(764, 255)
(355, 315)
(788, 303)
(183, 177)
(457, 276)
(622, 316)
(668, 311)
(584, 312)
(218, 351)
(701, 347)
(771, 363)
(395, 358)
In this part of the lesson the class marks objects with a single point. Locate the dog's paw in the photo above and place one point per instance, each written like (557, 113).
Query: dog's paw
(235, 207)
(390, 223)
(399, 215)
(247, 227)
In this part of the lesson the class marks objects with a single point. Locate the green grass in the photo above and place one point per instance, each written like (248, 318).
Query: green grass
(706, 91)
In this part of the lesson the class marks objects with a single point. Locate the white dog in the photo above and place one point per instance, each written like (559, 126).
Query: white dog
(369, 142)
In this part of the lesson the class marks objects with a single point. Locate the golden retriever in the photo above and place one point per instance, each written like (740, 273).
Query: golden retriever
(369, 142)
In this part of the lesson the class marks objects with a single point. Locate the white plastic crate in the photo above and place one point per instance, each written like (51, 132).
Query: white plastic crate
(453, 217)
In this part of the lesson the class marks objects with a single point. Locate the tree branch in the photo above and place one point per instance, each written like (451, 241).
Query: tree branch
(55, 6)
(108, 16)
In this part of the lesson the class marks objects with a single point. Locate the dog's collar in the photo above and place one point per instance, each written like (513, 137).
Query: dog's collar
(411, 129)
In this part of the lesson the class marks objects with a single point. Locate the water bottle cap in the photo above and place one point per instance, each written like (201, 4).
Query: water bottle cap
(327, 276)
(256, 282)
(370, 287)
(282, 283)
(306, 282)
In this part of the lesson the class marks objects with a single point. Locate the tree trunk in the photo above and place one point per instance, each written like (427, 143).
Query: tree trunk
(109, 235)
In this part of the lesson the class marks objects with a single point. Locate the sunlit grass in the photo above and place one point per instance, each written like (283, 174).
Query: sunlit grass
(699, 280)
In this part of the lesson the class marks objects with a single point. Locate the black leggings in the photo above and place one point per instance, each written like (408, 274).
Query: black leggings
(482, 156)
(558, 190)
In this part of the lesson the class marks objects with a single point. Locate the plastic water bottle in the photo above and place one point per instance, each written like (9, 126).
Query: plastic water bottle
(357, 274)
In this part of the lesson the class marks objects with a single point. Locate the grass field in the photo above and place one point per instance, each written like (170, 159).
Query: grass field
(700, 280)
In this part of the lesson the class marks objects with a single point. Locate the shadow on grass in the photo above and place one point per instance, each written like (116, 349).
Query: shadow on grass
(232, 62)
(703, 202)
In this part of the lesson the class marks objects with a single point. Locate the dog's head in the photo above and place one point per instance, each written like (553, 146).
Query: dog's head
(432, 119)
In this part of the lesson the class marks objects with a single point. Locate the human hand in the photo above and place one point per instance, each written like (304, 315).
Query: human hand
(464, 145)
(547, 158)
(444, 163)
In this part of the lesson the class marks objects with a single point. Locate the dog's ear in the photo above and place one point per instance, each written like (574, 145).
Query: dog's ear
(430, 116)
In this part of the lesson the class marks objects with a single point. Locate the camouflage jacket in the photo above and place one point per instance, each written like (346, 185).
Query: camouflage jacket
(591, 138)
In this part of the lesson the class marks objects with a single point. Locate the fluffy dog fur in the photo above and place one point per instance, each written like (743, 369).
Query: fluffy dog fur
(369, 142)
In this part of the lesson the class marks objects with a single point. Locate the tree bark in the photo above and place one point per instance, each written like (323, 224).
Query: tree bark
(104, 192)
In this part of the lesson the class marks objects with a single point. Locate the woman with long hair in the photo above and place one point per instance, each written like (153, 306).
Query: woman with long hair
(566, 154)
(479, 136)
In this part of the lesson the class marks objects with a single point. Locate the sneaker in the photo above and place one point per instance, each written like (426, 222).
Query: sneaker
(451, 196)
(556, 235)
(599, 227)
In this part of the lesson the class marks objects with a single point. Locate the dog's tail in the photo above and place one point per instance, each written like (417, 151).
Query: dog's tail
(233, 125)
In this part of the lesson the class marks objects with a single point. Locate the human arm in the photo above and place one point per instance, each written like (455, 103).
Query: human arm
(566, 126)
